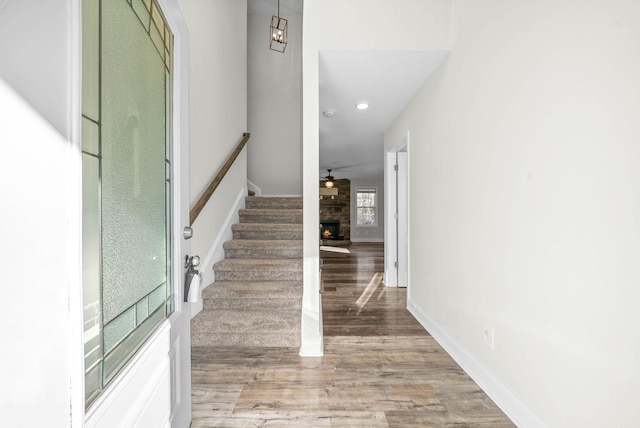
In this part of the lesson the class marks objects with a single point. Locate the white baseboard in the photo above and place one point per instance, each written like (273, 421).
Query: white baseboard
(196, 307)
(312, 349)
(512, 405)
(367, 239)
(216, 252)
(312, 340)
(390, 284)
(252, 187)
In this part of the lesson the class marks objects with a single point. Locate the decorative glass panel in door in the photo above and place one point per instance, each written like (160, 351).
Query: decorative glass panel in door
(127, 202)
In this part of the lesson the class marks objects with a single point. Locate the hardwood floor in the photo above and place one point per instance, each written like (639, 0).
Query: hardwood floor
(380, 368)
(356, 303)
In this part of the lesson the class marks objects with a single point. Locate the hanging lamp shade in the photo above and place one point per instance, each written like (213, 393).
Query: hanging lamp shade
(278, 32)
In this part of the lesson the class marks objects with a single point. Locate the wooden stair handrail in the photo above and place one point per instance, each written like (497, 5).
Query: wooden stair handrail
(204, 198)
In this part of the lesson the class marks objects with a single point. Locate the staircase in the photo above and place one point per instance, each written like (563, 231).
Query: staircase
(256, 299)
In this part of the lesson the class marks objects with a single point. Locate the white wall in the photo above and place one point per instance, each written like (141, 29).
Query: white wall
(275, 107)
(37, 258)
(367, 233)
(40, 184)
(356, 24)
(40, 76)
(525, 203)
(218, 109)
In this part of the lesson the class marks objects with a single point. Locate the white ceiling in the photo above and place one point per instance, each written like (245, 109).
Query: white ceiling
(351, 142)
(271, 7)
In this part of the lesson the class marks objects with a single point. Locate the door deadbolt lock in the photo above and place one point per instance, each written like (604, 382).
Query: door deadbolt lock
(187, 232)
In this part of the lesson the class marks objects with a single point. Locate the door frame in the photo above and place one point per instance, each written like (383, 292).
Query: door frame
(180, 319)
(391, 238)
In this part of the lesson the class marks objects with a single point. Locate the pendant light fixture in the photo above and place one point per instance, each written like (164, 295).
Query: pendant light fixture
(278, 32)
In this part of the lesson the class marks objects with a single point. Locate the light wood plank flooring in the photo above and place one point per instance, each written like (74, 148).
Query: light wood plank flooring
(380, 369)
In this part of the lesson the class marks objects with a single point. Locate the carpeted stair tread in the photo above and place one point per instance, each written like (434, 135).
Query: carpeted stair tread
(262, 249)
(256, 303)
(269, 215)
(258, 264)
(286, 339)
(258, 321)
(266, 231)
(258, 275)
(246, 327)
(273, 202)
(258, 270)
(262, 243)
(251, 289)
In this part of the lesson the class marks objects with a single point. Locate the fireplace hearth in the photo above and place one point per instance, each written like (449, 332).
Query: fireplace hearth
(330, 229)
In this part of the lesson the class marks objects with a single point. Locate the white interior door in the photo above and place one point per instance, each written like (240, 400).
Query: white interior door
(396, 233)
(402, 222)
(390, 227)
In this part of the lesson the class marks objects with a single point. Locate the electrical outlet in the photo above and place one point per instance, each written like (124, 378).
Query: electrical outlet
(489, 337)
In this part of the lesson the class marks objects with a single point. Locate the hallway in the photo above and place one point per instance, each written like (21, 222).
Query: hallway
(380, 368)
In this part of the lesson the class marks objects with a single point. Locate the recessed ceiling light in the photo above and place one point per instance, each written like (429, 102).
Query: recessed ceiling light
(362, 106)
(328, 113)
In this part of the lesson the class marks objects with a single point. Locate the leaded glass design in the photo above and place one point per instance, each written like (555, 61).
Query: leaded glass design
(127, 55)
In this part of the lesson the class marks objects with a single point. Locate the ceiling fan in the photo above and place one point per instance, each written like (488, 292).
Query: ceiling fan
(329, 180)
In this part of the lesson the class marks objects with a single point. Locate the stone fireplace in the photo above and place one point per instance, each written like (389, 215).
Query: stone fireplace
(337, 209)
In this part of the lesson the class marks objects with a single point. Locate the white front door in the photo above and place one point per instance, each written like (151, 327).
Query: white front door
(135, 206)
